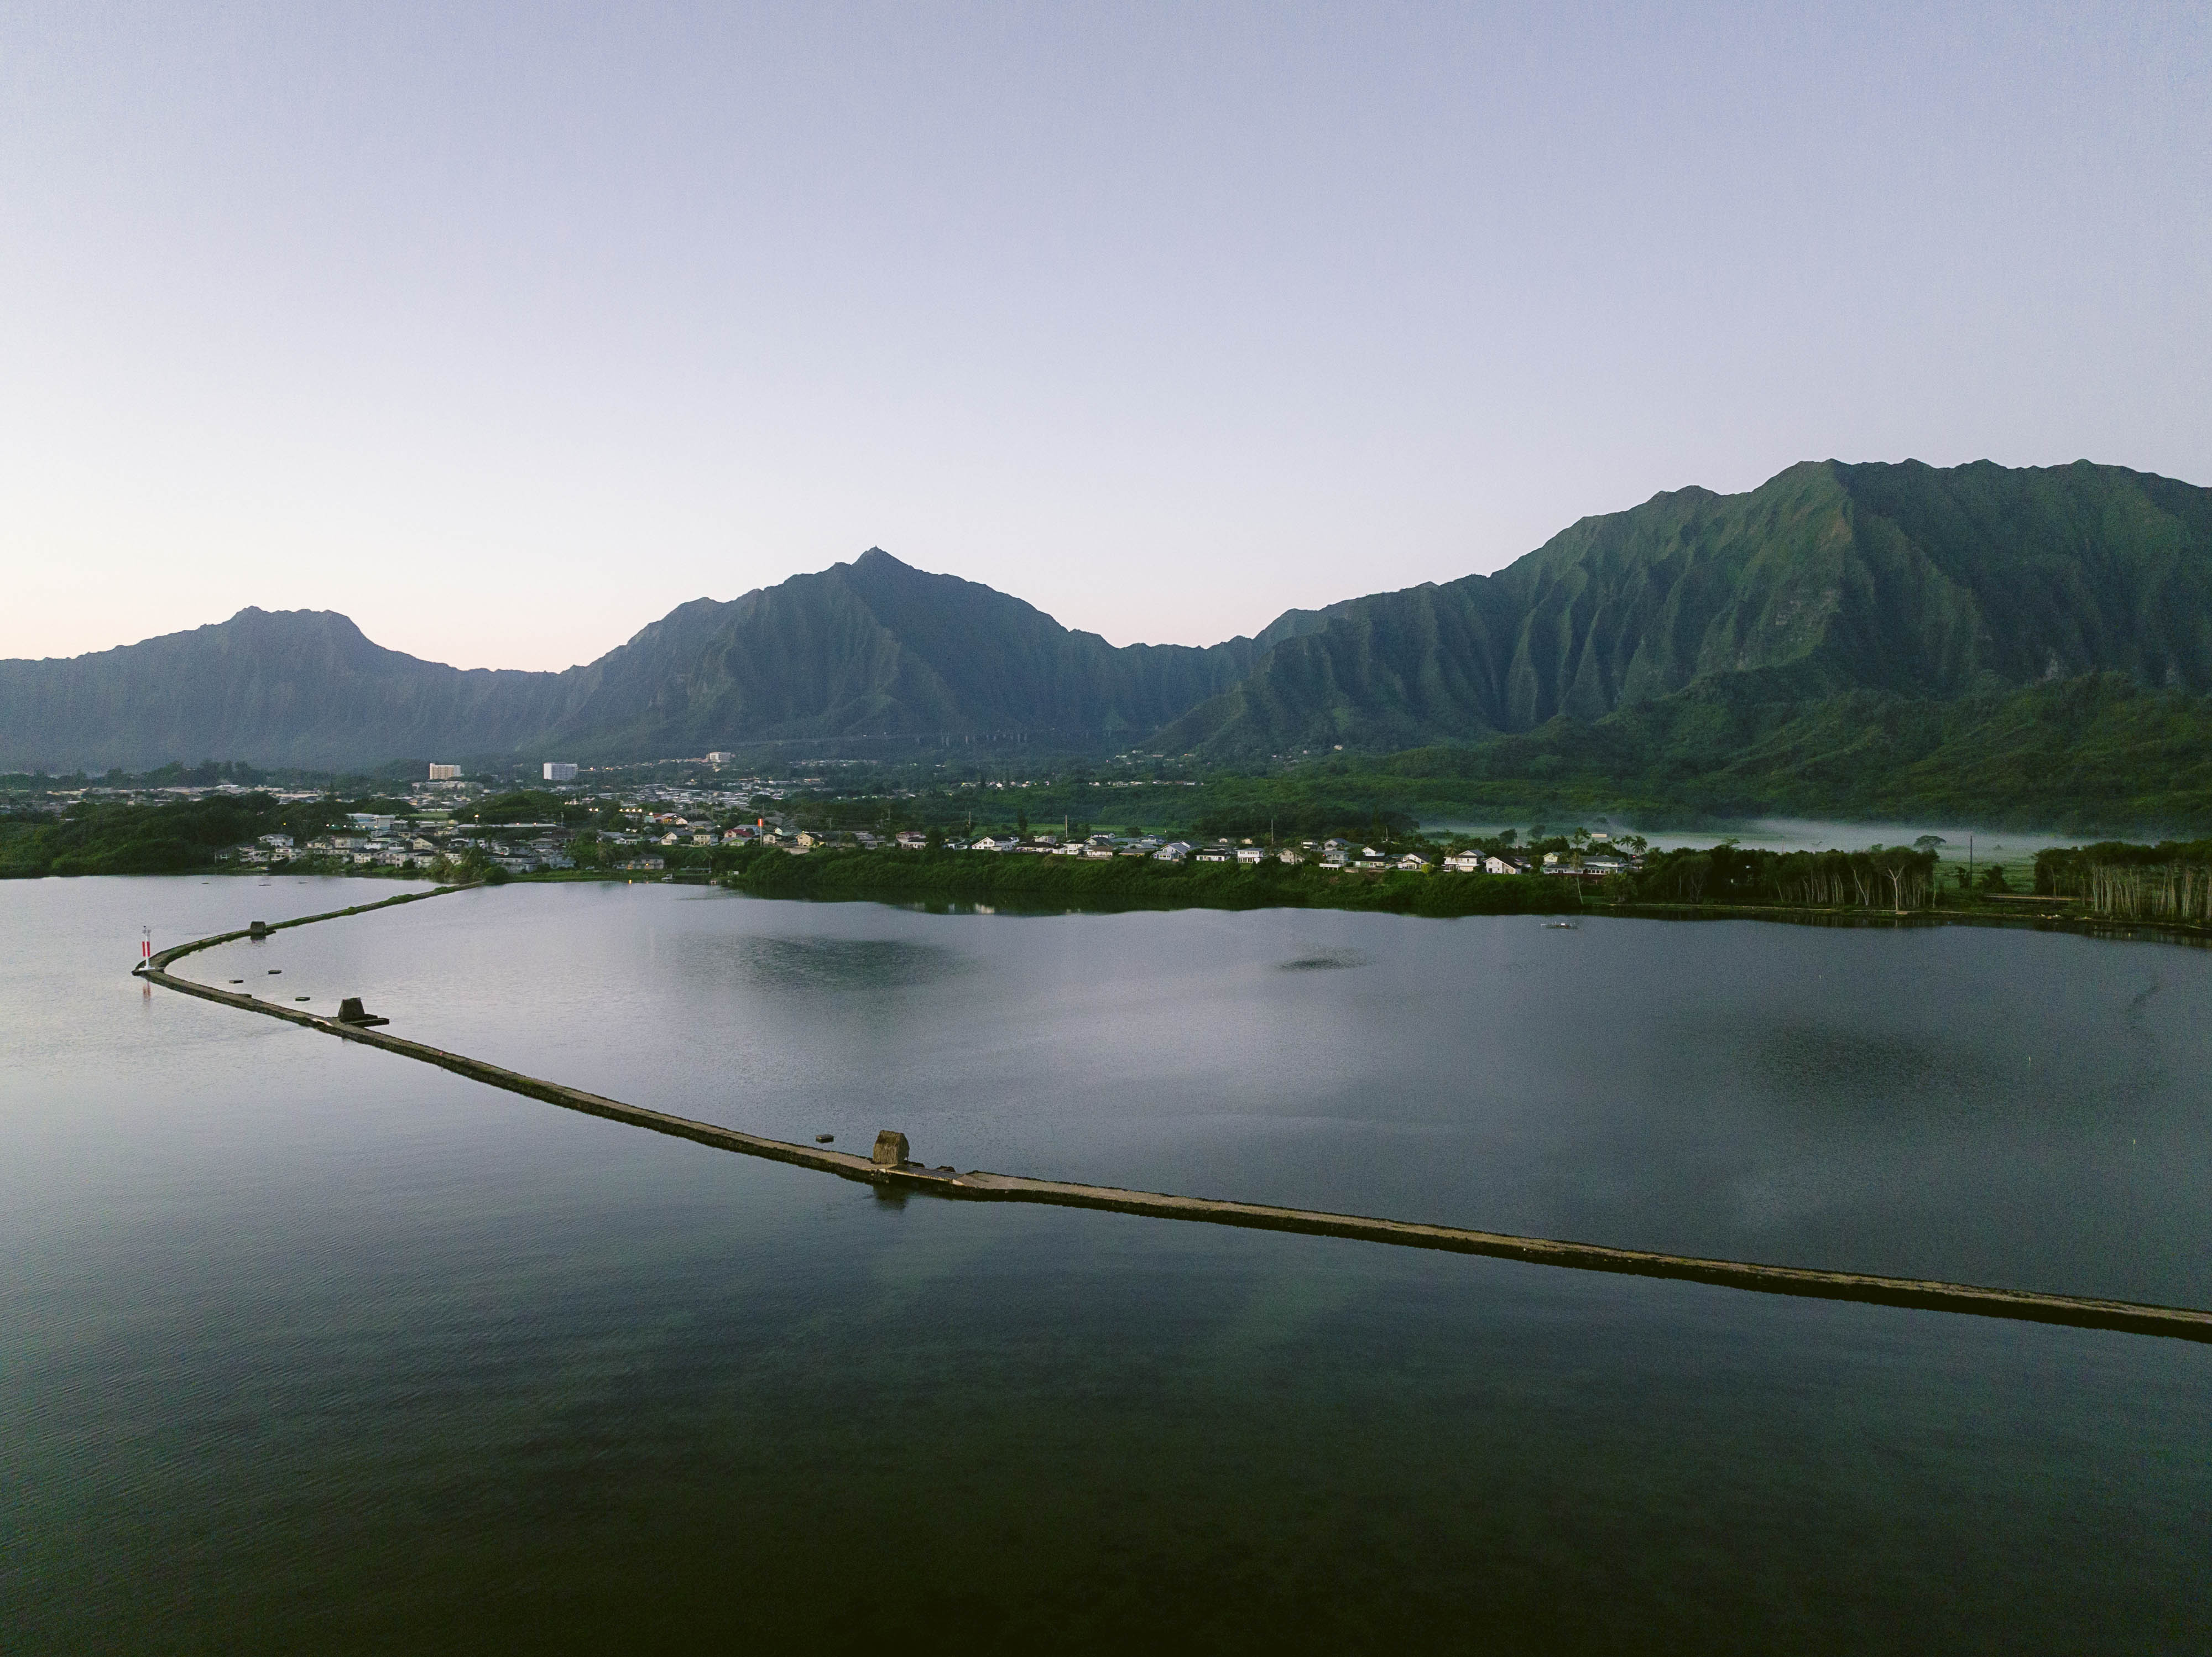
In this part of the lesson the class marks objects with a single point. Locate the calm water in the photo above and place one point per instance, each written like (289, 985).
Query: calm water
(305, 1347)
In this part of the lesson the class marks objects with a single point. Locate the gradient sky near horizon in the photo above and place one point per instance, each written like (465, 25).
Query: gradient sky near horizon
(504, 330)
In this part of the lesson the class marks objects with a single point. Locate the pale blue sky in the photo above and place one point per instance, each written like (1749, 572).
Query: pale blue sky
(504, 330)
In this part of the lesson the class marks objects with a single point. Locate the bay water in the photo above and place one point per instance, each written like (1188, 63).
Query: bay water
(305, 1346)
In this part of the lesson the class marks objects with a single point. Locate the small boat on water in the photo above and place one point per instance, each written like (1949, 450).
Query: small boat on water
(1560, 926)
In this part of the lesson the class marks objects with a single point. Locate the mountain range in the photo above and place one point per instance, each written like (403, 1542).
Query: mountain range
(1829, 580)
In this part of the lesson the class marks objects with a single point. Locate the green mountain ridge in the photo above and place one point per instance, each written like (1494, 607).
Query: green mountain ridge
(1902, 578)
(873, 647)
(1839, 639)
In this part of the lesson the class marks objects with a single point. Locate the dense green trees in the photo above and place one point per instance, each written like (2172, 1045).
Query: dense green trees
(1134, 883)
(1901, 877)
(2169, 881)
(165, 839)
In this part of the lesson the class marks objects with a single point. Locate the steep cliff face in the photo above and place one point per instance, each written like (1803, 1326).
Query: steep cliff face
(1901, 578)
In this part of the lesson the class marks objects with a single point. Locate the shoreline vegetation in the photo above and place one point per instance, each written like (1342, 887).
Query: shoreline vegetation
(2110, 887)
(1041, 884)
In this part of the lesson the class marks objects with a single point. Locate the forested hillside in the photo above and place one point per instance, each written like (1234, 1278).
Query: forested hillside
(1903, 579)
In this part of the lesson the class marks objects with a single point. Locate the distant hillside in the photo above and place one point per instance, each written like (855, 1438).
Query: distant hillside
(1899, 578)
(1902, 583)
(878, 648)
(298, 687)
(867, 648)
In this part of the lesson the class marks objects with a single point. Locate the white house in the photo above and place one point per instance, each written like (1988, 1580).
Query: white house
(1465, 862)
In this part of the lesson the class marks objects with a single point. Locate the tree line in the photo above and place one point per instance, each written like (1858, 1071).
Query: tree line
(2169, 881)
(1897, 878)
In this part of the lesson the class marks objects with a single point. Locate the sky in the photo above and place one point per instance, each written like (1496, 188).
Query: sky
(504, 330)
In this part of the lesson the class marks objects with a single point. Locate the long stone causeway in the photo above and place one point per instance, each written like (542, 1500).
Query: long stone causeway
(2181, 1323)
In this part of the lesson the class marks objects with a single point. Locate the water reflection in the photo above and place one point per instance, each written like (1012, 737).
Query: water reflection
(813, 965)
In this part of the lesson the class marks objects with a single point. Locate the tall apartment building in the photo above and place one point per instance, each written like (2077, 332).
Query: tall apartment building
(557, 772)
(445, 773)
